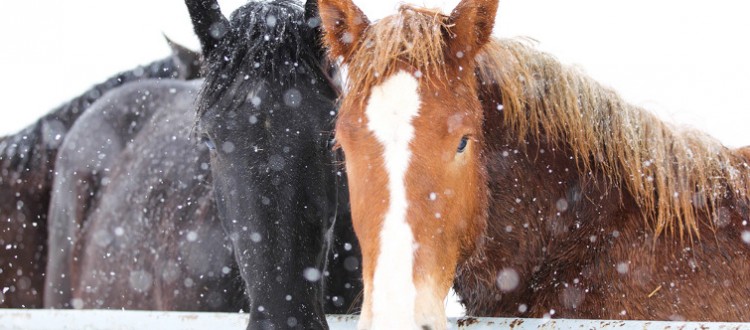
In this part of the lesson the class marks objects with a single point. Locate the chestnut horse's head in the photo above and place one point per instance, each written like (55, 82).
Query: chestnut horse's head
(411, 129)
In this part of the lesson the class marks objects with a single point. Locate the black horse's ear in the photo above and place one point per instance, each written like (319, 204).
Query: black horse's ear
(209, 23)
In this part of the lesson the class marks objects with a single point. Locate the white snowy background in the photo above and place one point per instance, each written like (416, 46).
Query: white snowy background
(688, 61)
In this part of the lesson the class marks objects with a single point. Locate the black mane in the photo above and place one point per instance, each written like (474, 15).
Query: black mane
(265, 39)
(29, 147)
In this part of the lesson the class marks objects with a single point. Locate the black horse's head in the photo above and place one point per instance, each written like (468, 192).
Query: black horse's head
(266, 110)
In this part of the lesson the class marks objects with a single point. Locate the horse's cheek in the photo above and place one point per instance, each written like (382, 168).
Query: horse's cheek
(475, 218)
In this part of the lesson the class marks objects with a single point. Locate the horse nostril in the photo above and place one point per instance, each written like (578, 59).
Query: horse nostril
(426, 327)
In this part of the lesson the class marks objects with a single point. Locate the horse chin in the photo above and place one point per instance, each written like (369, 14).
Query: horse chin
(430, 308)
(432, 279)
(429, 313)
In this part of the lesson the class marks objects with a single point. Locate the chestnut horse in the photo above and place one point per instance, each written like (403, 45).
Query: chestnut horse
(531, 188)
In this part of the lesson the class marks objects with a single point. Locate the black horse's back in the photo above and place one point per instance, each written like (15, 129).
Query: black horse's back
(27, 161)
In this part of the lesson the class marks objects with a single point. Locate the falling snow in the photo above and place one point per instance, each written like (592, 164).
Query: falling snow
(508, 280)
(746, 236)
(312, 274)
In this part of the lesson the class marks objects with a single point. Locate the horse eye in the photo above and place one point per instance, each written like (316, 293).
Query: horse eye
(331, 143)
(208, 142)
(462, 145)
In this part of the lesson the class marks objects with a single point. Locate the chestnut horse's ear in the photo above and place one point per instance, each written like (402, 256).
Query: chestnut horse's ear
(470, 27)
(344, 25)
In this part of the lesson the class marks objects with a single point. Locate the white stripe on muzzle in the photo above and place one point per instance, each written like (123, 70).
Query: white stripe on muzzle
(390, 110)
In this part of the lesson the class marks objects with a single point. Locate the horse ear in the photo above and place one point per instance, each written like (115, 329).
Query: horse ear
(344, 25)
(188, 62)
(470, 27)
(209, 23)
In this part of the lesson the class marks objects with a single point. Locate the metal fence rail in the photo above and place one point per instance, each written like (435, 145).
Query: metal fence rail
(142, 320)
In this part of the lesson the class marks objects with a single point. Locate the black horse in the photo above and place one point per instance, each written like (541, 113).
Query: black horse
(150, 238)
(27, 161)
(266, 110)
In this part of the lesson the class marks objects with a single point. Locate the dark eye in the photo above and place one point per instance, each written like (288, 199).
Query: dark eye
(208, 142)
(462, 145)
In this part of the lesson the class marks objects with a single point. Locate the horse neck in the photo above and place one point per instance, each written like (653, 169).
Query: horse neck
(555, 226)
(545, 218)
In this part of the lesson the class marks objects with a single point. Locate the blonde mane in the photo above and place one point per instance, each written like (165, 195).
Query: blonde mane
(676, 175)
(412, 38)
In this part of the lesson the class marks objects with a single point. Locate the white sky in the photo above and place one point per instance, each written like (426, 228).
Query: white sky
(689, 61)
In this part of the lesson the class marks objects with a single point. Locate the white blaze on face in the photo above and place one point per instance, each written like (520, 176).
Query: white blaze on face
(390, 110)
